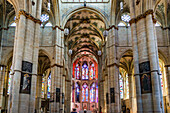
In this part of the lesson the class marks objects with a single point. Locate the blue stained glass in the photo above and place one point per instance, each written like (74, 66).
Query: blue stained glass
(85, 72)
(127, 84)
(85, 93)
(77, 92)
(49, 86)
(92, 93)
(121, 86)
(97, 93)
(44, 17)
(9, 83)
(92, 72)
(42, 93)
(77, 72)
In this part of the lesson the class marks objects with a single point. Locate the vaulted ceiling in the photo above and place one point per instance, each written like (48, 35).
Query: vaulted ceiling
(86, 33)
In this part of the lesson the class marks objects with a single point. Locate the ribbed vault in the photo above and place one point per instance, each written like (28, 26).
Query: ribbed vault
(86, 33)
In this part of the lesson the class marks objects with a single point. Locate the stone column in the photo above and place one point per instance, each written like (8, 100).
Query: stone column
(167, 66)
(25, 62)
(19, 43)
(146, 54)
(136, 68)
(105, 91)
(69, 86)
(38, 93)
(57, 73)
(2, 80)
(113, 71)
(130, 79)
(154, 64)
(100, 85)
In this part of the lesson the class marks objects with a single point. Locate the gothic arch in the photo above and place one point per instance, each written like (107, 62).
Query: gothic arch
(126, 51)
(162, 56)
(6, 57)
(46, 53)
(87, 8)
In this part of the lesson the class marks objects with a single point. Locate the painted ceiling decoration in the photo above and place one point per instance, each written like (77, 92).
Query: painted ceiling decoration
(86, 33)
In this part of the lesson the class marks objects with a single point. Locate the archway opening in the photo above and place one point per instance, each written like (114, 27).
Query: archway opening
(83, 44)
(85, 84)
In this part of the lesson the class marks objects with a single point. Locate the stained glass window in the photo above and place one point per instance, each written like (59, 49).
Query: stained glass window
(77, 92)
(127, 87)
(96, 93)
(49, 86)
(13, 23)
(92, 93)
(161, 83)
(44, 17)
(85, 72)
(121, 86)
(125, 17)
(84, 92)
(9, 82)
(43, 88)
(77, 71)
(92, 72)
(162, 76)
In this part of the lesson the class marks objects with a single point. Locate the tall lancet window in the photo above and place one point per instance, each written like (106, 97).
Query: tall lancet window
(127, 87)
(85, 92)
(77, 92)
(43, 87)
(92, 93)
(49, 86)
(85, 71)
(9, 81)
(77, 71)
(92, 72)
(121, 86)
(96, 92)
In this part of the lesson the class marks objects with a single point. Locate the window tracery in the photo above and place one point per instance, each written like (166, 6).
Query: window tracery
(125, 17)
(44, 17)
(121, 86)
(85, 92)
(49, 86)
(85, 83)
(92, 93)
(85, 71)
(77, 92)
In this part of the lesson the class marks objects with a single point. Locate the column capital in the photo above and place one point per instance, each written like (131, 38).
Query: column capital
(141, 16)
(29, 16)
(112, 26)
(54, 28)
